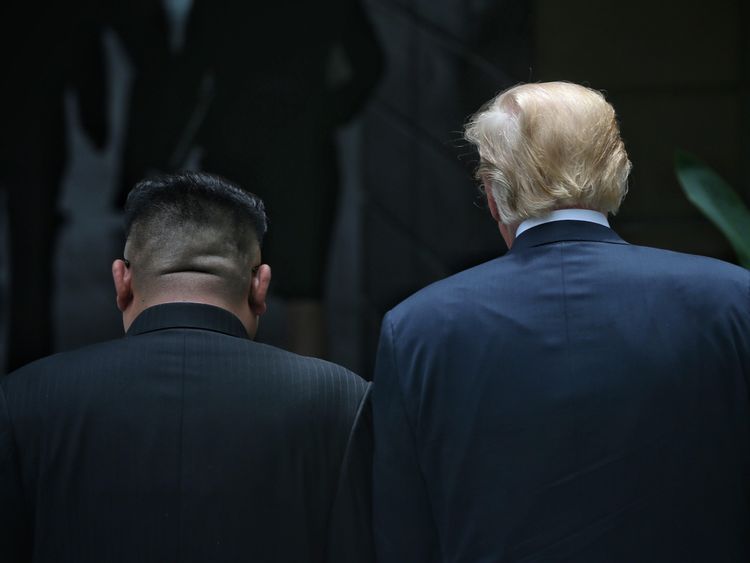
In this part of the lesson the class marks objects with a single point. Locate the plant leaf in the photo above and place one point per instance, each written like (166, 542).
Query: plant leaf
(717, 200)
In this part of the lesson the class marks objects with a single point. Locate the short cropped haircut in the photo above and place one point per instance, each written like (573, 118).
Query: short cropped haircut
(545, 146)
(187, 196)
(193, 222)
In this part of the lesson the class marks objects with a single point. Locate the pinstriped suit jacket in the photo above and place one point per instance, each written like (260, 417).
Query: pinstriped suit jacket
(184, 441)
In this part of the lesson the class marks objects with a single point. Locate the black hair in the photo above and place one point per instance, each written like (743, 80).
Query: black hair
(193, 197)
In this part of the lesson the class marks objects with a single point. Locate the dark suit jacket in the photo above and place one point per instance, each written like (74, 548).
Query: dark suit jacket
(184, 441)
(579, 399)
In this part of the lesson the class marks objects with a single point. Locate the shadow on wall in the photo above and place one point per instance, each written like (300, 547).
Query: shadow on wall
(137, 141)
(406, 182)
(422, 215)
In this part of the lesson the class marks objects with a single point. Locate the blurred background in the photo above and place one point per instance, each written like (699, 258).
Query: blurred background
(346, 118)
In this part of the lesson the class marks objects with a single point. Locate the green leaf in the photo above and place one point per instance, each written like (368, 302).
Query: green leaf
(717, 200)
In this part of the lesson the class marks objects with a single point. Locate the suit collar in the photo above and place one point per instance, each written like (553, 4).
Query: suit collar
(187, 315)
(560, 231)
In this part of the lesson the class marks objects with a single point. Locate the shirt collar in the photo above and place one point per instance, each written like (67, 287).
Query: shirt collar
(564, 215)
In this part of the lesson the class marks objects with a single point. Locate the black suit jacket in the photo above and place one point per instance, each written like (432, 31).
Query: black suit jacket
(579, 399)
(184, 441)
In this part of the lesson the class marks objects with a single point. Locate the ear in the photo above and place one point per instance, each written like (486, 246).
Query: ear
(507, 233)
(491, 202)
(123, 284)
(259, 289)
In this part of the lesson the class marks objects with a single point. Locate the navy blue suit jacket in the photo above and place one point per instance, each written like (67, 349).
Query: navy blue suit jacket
(579, 399)
(184, 442)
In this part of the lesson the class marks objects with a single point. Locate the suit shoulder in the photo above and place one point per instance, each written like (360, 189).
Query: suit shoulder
(445, 295)
(320, 373)
(701, 271)
(315, 389)
(708, 261)
(62, 378)
(64, 362)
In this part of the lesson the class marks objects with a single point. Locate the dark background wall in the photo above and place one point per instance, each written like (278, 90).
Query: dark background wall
(423, 217)
(409, 212)
(676, 72)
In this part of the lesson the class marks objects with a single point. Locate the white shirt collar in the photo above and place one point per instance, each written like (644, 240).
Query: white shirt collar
(564, 215)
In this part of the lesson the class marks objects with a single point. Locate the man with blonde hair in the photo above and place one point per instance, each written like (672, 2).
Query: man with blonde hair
(578, 399)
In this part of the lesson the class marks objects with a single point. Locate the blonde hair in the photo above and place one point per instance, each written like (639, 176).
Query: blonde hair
(547, 146)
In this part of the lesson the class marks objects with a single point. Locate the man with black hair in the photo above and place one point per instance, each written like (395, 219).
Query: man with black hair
(185, 440)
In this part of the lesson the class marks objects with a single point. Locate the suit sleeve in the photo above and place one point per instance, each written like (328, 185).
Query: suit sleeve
(350, 530)
(403, 523)
(15, 541)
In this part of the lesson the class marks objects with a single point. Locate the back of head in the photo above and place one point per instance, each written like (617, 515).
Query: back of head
(549, 146)
(192, 232)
